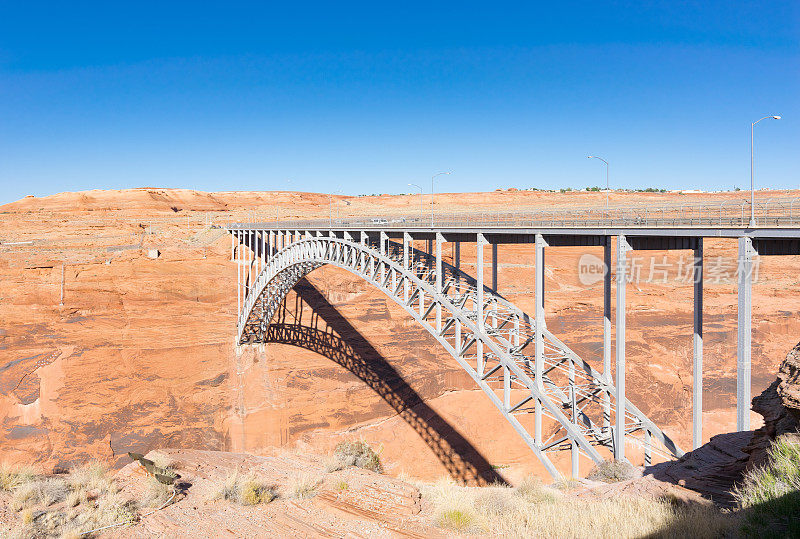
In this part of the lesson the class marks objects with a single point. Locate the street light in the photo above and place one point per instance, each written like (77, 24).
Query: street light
(752, 172)
(432, 177)
(421, 201)
(607, 184)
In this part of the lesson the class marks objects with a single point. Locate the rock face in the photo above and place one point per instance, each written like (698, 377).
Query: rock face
(789, 386)
(780, 406)
(717, 466)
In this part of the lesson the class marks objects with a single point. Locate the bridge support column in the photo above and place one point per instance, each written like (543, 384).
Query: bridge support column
(622, 276)
(479, 307)
(236, 257)
(607, 331)
(539, 337)
(256, 254)
(439, 241)
(406, 266)
(362, 257)
(248, 276)
(263, 249)
(697, 355)
(745, 270)
(271, 241)
(383, 240)
(457, 257)
(494, 267)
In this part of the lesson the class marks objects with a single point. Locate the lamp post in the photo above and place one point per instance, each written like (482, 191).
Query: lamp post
(752, 172)
(432, 177)
(607, 184)
(421, 201)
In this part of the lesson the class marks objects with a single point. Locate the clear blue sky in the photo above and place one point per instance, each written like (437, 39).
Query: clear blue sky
(367, 97)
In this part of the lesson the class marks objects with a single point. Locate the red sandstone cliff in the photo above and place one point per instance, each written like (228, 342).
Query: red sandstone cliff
(141, 354)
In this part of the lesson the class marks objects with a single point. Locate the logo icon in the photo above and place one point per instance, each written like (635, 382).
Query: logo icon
(591, 269)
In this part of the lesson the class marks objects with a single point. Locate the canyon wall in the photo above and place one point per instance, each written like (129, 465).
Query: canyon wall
(141, 354)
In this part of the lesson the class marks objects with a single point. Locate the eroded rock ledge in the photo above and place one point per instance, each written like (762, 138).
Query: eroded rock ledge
(714, 468)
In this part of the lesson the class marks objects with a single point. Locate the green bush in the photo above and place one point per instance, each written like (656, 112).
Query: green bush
(769, 496)
(456, 519)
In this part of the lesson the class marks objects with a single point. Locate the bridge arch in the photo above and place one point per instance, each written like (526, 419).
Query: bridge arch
(490, 338)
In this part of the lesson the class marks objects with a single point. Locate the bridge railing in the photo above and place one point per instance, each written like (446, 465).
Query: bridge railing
(773, 212)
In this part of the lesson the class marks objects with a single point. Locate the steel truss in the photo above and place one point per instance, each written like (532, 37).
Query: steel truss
(525, 370)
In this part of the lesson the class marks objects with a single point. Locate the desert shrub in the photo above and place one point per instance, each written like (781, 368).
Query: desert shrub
(74, 498)
(112, 509)
(532, 490)
(456, 519)
(528, 511)
(769, 495)
(494, 501)
(303, 485)
(612, 471)
(454, 506)
(254, 493)
(14, 476)
(246, 490)
(359, 454)
(50, 491)
(333, 464)
(41, 492)
(22, 497)
(566, 483)
(156, 494)
(90, 476)
(91, 500)
(165, 462)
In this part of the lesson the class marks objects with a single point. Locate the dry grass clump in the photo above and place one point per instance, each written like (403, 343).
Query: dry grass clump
(39, 492)
(535, 510)
(72, 505)
(246, 490)
(455, 507)
(91, 477)
(613, 471)
(14, 476)
(156, 494)
(163, 461)
(532, 490)
(567, 483)
(769, 496)
(456, 519)
(354, 453)
(494, 501)
(303, 485)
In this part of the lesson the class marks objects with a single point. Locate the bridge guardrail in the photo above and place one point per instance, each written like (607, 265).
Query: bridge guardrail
(729, 214)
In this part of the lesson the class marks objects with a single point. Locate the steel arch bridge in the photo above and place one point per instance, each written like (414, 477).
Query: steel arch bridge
(552, 398)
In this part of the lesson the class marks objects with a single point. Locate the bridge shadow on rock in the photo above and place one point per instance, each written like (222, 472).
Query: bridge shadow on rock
(328, 333)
